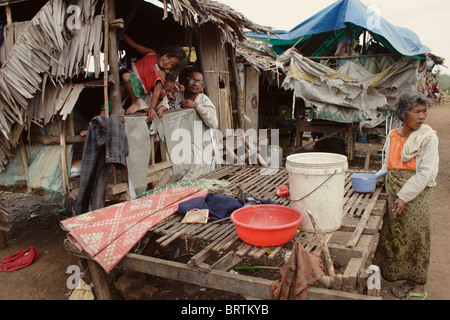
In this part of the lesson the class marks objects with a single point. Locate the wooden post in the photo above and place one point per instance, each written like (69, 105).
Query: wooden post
(106, 58)
(350, 142)
(65, 175)
(116, 103)
(251, 105)
(25, 163)
(314, 142)
(3, 243)
(101, 288)
(8, 15)
(299, 113)
(215, 72)
(237, 96)
(367, 161)
(298, 133)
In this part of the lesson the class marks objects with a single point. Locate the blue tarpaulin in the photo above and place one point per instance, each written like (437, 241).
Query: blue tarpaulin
(354, 13)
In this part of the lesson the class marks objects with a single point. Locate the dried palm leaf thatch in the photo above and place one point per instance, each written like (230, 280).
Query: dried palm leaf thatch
(45, 49)
(258, 53)
(11, 35)
(54, 101)
(230, 22)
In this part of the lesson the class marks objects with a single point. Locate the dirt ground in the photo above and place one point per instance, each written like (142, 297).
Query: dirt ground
(36, 223)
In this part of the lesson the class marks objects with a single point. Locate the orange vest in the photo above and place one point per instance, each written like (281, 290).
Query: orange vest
(394, 160)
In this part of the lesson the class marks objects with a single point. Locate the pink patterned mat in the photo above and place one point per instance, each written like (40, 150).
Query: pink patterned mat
(109, 233)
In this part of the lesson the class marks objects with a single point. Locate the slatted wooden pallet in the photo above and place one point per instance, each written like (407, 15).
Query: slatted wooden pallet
(350, 245)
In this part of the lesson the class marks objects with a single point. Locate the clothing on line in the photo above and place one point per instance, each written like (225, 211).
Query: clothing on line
(106, 144)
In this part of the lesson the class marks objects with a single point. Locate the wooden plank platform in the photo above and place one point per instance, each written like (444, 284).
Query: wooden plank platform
(350, 246)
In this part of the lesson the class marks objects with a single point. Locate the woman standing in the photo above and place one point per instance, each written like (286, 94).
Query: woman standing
(412, 161)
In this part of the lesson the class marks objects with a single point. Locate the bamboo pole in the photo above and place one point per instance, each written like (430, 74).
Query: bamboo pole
(106, 56)
(25, 163)
(251, 149)
(65, 176)
(9, 20)
(314, 142)
(116, 103)
(237, 98)
(367, 161)
(352, 57)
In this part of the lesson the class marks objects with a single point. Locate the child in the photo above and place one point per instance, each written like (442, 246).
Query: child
(167, 96)
(149, 75)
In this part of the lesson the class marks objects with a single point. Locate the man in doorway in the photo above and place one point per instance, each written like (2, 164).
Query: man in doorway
(193, 97)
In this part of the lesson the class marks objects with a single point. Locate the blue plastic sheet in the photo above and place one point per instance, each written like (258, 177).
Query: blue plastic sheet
(343, 12)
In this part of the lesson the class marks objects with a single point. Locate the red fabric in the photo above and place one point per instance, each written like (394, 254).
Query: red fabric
(149, 71)
(19, 260)
(283, 192)
(436, 89)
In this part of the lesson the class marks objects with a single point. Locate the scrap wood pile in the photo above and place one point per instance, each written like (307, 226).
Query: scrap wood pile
(47, 51)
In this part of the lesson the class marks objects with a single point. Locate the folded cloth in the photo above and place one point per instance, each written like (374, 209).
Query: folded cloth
(82, 292)
(19, 260)
(415, 141)
(220, 206)
(196, 216)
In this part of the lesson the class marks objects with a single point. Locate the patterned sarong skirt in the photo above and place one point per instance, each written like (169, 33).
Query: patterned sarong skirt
(403, 251)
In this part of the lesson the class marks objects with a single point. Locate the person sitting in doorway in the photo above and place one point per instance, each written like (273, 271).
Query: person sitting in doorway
(149, 75)
(193, 97)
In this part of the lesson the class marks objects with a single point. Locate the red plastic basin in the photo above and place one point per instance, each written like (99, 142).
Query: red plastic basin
(266, 225)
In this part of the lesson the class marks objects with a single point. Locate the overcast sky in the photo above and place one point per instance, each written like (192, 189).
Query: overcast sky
(428, 19)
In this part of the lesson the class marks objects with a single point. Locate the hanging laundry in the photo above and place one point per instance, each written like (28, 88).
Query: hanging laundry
(106, 145)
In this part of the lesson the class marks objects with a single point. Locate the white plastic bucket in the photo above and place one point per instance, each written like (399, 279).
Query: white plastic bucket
(316, 183)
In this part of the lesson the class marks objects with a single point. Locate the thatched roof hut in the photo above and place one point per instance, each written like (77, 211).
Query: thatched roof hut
(49, 46)
(53, 56)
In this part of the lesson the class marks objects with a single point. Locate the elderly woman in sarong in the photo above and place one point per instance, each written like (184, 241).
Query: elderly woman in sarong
(412, 160)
